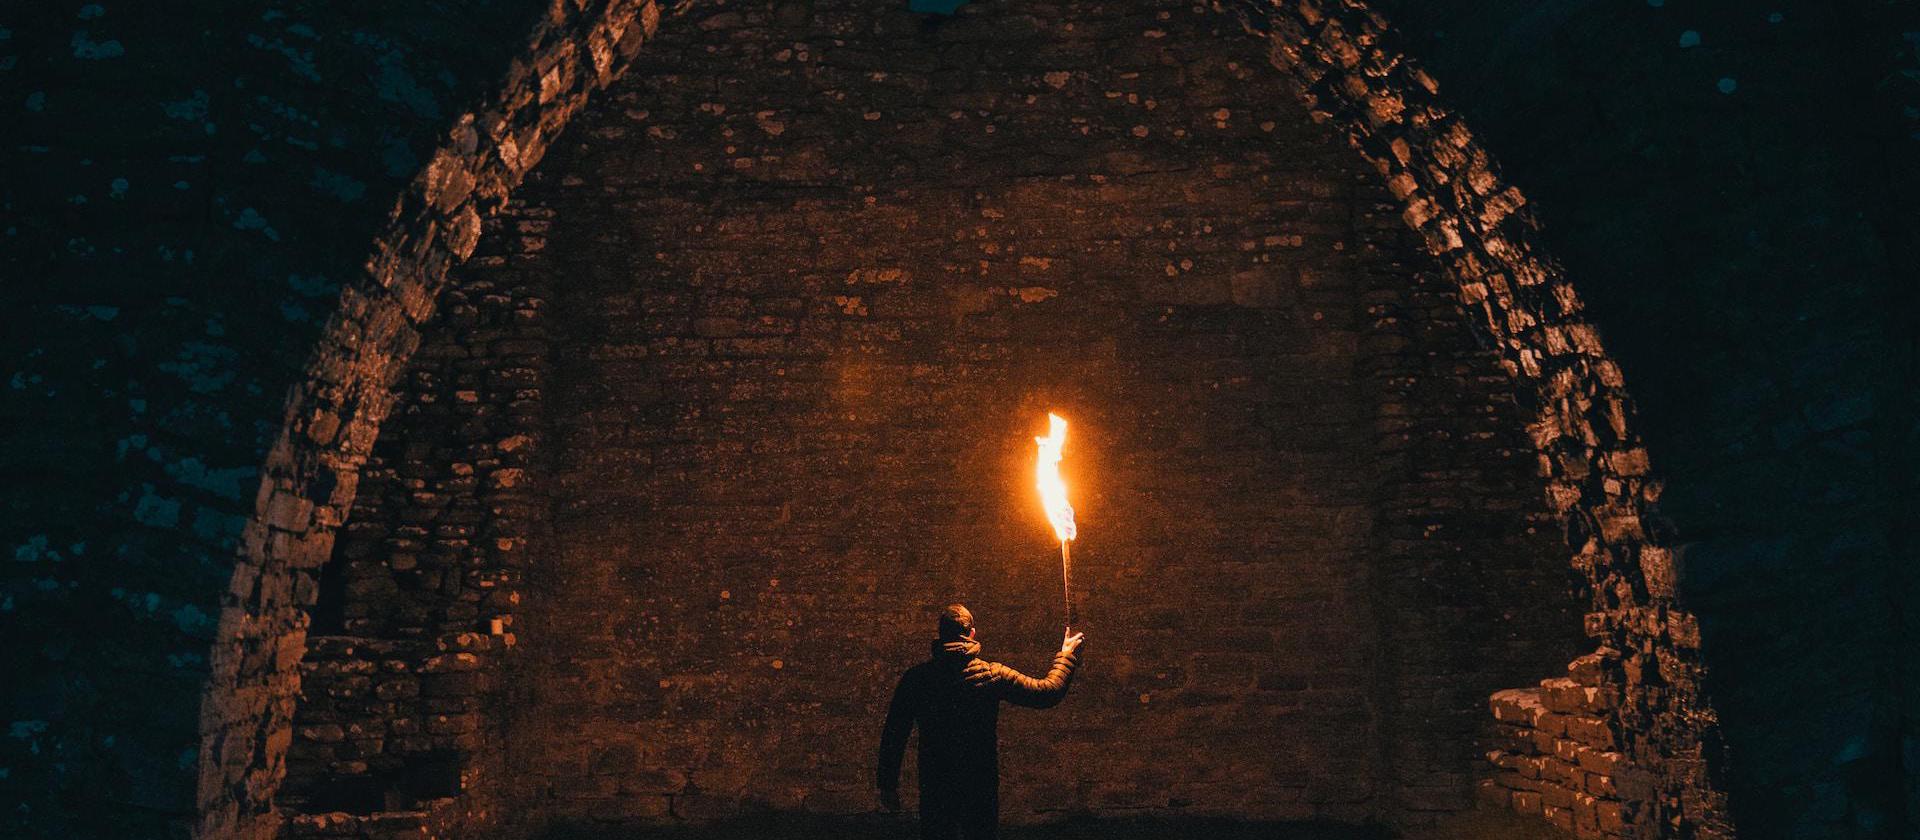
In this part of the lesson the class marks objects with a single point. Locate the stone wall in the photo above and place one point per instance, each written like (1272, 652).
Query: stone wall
(1557, 754)
(1469, 591)
(391, 739)
(1729, 185)
(1345, 63)
(312, 469)
(820, 271)
(398, 724)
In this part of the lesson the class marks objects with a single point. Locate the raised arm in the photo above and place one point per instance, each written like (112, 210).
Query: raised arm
(893, 737)
(1047, 692)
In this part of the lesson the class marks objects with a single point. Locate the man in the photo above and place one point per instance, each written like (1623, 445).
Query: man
(955, 697)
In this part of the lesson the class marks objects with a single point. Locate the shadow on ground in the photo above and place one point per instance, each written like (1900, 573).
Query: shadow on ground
(1479, 825)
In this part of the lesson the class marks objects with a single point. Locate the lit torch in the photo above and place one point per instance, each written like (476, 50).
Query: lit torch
(1053, 494)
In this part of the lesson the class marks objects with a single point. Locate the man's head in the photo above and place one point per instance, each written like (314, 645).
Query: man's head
(956, 623)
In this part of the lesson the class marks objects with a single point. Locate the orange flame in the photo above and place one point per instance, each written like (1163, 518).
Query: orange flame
(1053, 491)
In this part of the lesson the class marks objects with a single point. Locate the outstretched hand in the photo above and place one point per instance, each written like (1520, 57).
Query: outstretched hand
(1072, 642)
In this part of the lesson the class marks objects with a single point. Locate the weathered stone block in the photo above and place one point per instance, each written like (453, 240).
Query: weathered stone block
(1527, 802)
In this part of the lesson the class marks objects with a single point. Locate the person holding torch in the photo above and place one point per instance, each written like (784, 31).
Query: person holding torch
(954, 697)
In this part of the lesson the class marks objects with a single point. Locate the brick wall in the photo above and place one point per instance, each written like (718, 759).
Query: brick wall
(1469, 592)
(332, 415)
(398, 724)
(1346, 65)
(1557, 754)
(819, 273)
(392, 737)
(1785, 439)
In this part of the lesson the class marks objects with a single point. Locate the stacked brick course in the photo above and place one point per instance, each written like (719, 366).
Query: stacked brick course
(1558, 756)
(386, 737)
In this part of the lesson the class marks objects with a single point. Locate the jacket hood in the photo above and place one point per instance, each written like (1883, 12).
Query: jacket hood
(959, 650)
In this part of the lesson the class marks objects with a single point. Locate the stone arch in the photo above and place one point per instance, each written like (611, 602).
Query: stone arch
(1335, 53)
(332, 418)
(1343, 62)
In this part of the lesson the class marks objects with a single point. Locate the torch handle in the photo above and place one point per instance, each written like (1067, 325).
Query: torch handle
(1066, 584)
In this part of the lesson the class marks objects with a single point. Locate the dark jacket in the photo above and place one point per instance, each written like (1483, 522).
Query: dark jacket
(955, 700)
